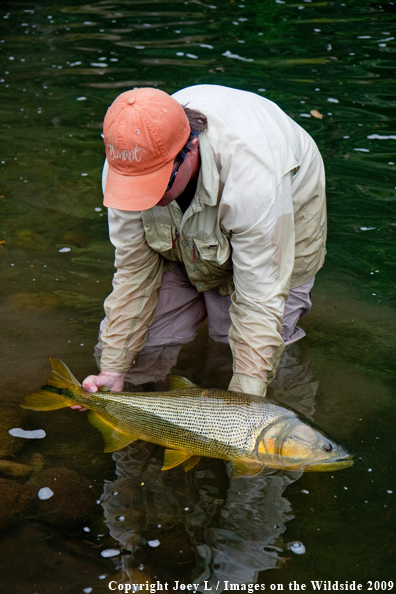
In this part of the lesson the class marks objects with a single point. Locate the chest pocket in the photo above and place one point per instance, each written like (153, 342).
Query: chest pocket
(161, 238)
(214, 251)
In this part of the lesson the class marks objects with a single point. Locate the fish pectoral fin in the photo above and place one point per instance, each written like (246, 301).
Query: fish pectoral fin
(246, 468)
(176, 382)
(114, 438)
(191, 462)
(173, 458)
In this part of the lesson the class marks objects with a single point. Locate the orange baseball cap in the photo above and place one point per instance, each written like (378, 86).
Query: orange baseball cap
(144, 129)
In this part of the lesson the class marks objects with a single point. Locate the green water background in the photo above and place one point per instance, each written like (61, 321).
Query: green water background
(61, 66)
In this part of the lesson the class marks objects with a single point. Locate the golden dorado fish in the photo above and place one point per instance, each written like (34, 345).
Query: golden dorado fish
(254, 433)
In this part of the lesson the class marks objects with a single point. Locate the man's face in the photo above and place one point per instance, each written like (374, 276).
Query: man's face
(187, 171)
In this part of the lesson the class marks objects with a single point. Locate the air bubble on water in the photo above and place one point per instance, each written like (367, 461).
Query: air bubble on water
(153, 543)
(296, 547)
(45, 493)
(35, 434)
(87, 590)
(138, 46)
(120, 518)
(86, 529)
(389, 491)
(64, 250)
(192, 56)
(80, 98)
(98, 209)
(304, 491)
(179, 53)
(110, 553)
(84, 174)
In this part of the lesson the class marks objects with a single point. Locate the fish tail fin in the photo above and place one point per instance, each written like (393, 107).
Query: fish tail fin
(58, 391)
(61, 376)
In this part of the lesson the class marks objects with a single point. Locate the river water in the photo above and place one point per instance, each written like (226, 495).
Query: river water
(62, 64)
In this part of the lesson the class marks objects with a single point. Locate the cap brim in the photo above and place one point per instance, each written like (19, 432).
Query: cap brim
(136, 192)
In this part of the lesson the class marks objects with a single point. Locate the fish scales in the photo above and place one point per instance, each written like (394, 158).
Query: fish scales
(190, 417)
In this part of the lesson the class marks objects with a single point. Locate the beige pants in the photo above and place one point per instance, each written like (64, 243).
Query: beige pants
(181, 311)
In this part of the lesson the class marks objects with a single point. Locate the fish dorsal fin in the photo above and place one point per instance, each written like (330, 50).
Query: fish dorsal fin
(61, 375)
(179, 383)
(173, 458)
(243, 467)
(191, 462)
(114, 438)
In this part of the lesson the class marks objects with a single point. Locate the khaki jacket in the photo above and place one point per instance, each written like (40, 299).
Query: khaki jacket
(255, 228)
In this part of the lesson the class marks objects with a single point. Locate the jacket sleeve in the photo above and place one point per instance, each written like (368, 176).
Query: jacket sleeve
(131, 305)
(263, 259)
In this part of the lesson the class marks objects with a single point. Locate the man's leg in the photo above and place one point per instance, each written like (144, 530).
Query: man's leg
(297, 305)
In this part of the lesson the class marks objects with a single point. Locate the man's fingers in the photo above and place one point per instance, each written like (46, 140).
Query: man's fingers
(90, 383)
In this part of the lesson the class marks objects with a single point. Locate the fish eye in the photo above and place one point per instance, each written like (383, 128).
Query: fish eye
(328, 447)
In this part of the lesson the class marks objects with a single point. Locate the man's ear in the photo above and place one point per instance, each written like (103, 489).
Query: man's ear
(194, 143)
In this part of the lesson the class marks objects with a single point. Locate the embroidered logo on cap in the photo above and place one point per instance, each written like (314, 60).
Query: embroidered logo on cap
(125, 155)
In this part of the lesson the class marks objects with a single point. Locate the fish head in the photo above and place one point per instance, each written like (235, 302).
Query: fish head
(295, 443)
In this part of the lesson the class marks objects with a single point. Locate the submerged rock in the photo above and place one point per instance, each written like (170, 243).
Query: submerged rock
(73, 500)
(10, 468)
(15, 500)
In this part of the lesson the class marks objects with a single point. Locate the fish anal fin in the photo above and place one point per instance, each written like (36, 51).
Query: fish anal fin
(243, 467)
(176, 382)
(173, 458)
(191, 462)
(114, 439)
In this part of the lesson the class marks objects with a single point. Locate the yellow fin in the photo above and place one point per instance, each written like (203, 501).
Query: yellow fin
(191, 462)
(246, 468)
(61, 376)
(114, 438)
(179, 383)
(173, 458)
(46, 400)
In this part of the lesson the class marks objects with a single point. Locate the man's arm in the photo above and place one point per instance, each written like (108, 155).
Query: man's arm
(131, 305)
(263, 260)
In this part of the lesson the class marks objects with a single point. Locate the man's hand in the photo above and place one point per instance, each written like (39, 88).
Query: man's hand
(113, 380)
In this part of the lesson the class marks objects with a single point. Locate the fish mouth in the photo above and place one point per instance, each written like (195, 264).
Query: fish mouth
(327, 465)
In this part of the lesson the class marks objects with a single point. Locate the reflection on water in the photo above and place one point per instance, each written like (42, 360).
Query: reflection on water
(61, 65)
(212, 530)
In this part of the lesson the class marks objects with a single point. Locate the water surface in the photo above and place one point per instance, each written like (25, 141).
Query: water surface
(61, 66)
